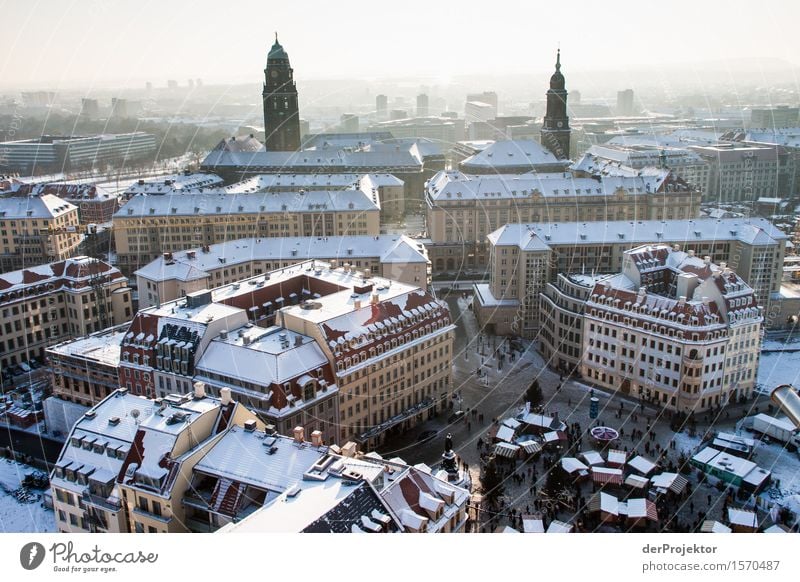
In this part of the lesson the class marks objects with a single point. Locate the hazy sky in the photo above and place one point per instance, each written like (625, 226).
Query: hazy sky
(123, 43)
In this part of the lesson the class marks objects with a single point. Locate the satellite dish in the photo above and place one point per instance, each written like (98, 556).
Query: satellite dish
(135, 414)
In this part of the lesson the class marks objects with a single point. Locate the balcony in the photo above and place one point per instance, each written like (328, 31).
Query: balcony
(111, 503)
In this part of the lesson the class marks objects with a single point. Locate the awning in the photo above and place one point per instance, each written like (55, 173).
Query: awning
(506, 450)
(530, 447)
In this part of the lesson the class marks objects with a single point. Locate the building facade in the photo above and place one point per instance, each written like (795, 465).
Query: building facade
(64, 153)
(523, 258)
(673, 329)
(739, 172)
(44, 305)
(36, 230)
(387, 349)
(149, 225)
(464, 209)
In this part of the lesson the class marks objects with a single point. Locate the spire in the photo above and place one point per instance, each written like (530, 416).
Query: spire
(558, 57)
(276, 37)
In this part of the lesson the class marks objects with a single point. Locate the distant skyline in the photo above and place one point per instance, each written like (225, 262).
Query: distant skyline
(122, 43)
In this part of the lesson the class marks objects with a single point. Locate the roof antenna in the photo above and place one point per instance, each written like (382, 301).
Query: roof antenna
(276, 37)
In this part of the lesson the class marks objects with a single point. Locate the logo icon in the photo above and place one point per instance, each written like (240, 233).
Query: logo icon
(31, 555)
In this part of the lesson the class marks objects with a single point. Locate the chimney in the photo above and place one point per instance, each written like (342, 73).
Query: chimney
(356, 303)
(374, 298)
(316, 438)
(199, 390)
(298, 341)
(723, 265)
(706, 301)
(676, 248)
(682, 300)
(299, 434)
(690, 252)
(225, 396)
(707, 260)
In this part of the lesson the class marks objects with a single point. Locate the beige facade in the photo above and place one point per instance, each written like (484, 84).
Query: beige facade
(148, 226)
(561, 334)
(525, 257)
(44, 305)
(673, 329)
(463, 210)
(36, 230)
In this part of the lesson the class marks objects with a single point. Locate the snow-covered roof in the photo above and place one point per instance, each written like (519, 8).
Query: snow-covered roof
(449, 186)
(194, 264)
(505, 433)
(532, 524)
(261, 356)
(355, 160)
(68, 274)
(102, 347)
(507, 153)
(45, 207)
(571, 464)
(742, 517)
(248, 457)
(543, 236)
(713, 526)
(593, 457)
(557, 526)
(175, 183)
(204, 204)
(642, 465)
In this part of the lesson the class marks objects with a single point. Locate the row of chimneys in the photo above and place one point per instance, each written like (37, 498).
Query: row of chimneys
(300, 434)
(374, 299)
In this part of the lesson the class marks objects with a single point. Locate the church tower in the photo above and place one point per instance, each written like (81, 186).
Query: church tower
(281, 117)
(555, 129)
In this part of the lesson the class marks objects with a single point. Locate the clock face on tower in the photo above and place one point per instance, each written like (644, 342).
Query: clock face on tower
(560, 124)
(274, 73)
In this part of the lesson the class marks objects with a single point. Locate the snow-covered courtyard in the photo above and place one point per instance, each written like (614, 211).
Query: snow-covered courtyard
(17, 516)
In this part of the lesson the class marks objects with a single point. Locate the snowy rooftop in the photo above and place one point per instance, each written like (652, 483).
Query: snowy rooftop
(401, 157)
(102, 347)
(202, 314)
(248, 457)
(507, 153)
(175, 183)
(262, 356)
(41, 207)
(204, 204)
(69, 273)
(541, 236)
(195, 264)
(278, 182)
(456, 186)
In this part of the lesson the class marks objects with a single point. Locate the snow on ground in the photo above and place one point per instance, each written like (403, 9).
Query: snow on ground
(776, 368)
(21, 517)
